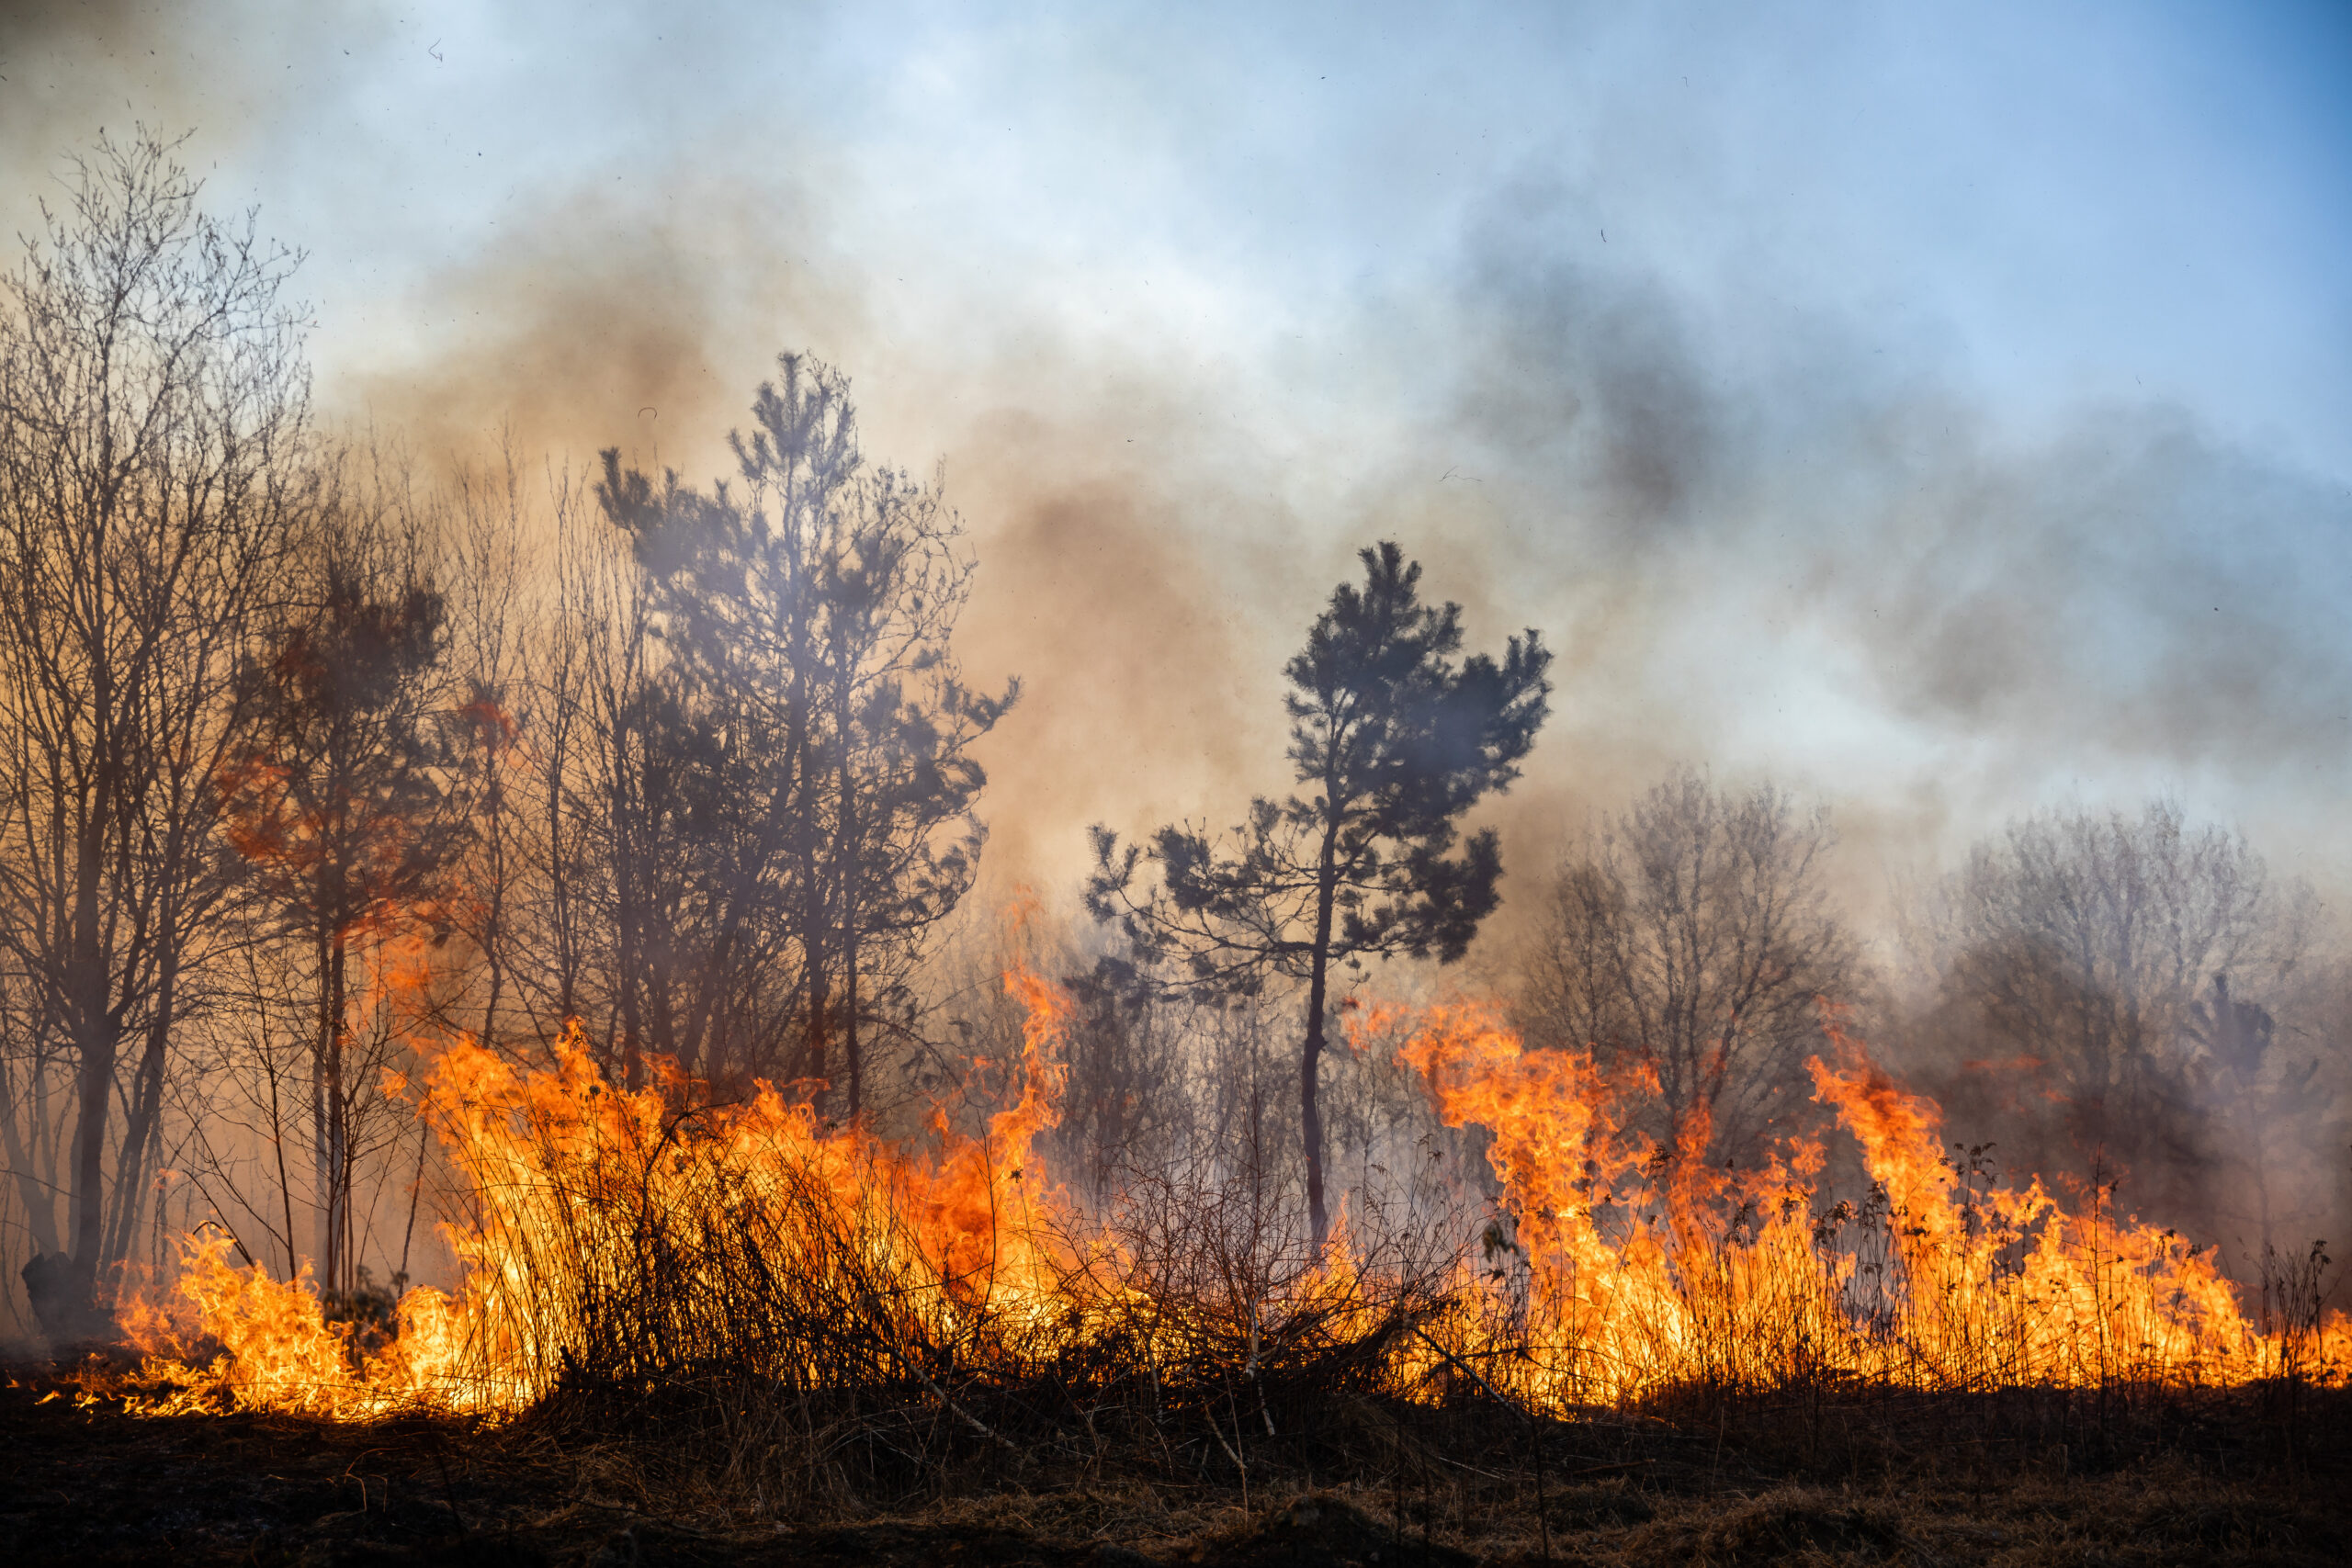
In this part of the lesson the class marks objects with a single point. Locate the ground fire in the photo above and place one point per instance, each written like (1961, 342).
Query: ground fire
(641, 1232)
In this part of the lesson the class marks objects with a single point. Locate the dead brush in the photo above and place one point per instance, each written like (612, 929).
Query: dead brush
(731, 1295)
(2296, 1352)
(776, 1310)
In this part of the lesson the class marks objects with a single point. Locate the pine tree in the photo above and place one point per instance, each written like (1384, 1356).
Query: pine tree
(1392, 742)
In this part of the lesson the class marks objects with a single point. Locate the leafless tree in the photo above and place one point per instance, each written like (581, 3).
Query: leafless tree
(338, 803)
(488, 567)
(1692, 936)
(567, 646)
(2073, 950)
(153, 425)
(1126, 1103)
(2259, 1087)
(618, 868)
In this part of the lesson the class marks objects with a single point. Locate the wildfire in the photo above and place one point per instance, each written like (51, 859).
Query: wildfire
(572, 1184)
(626, 1231)
(1649, 1268)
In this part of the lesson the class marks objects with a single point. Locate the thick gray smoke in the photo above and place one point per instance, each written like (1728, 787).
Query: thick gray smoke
(1767, 530)
(2123, 592)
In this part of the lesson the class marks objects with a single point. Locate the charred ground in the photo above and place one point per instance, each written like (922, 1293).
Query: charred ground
(2025, 1476)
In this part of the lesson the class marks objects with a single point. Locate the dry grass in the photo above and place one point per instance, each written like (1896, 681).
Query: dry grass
(1921, 1479)
(732, 1335)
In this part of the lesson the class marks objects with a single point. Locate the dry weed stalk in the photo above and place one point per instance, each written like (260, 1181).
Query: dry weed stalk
(823, 1314)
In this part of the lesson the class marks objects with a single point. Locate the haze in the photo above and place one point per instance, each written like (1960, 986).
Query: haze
(1944, 413)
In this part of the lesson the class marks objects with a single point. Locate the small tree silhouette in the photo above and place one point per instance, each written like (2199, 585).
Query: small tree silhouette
(1394, 742)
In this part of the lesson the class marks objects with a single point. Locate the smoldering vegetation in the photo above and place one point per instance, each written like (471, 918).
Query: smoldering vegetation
(321, 759)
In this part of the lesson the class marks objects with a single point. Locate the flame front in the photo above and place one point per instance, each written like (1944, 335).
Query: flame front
(624, 1232)
(1648, 1269)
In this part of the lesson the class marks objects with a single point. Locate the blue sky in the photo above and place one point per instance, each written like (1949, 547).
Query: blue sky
(1947, 410)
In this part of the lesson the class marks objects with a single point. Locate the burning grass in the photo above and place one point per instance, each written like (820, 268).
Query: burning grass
(779, 1315)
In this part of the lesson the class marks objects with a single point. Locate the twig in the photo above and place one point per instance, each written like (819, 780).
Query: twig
(974, 1422)
(1472, 1372)
(449, 1495)
(1534, 1435)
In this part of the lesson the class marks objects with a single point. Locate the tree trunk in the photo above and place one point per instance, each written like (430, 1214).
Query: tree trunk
(850, 1052)
(277, 1152)
(339, 1259)
(329, 1127)
(628, 922)
(96, 1086)
(494, 924)
(140, 1130)
(661, 1000)
(97, 1032)
(701, 1047)
(814, 1066)
(40, 1204)
(632, 1051)
(567, 965)
(2261, 1167)
(848, 850)
(1310, 1114)
(320, 1029)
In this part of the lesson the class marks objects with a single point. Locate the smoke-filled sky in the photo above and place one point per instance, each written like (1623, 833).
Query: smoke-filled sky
(1945, 409)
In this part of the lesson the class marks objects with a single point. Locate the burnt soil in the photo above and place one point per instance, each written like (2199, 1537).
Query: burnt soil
(2023, 1478)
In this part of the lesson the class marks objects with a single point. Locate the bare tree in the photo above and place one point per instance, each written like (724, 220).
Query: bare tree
(2259, 1089)
(1692, 936)
(338, 803)
(487, 566)
(567, 645)
(600, 832)
(1125, 1104)
(152, 420)
(2074, 949)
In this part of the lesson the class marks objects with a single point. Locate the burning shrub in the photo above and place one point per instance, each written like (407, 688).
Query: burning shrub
(739, 1268)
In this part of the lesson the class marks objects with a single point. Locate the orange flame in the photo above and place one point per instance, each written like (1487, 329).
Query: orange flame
(1617, 1270)
(556, 1165)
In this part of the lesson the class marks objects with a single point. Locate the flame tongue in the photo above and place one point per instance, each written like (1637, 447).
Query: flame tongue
(634, 1235)
(2005, 1286)
(612, 1229)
